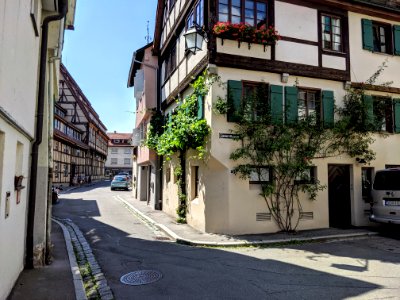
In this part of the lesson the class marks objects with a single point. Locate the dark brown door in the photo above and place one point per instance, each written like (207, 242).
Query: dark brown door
(339, 196)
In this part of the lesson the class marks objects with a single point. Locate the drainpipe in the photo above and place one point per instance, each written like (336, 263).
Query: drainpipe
(63, 8)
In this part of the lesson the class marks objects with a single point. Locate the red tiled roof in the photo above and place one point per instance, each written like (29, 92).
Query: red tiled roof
(119, 136)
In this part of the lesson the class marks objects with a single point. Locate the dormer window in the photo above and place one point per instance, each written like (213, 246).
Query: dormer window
(116, 141)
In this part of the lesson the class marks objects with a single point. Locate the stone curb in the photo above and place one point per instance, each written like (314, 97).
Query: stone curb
(76, 275)
(85, 250)
(180, 240)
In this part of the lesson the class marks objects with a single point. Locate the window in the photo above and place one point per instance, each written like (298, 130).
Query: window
(114, 161)
(195, 181)
(366, 183)
(127, 161)
(309, 104)
(170, 62)
(127, 151)
(260, 175)
(331, 33)
(255, 100)
(383, 113)
(168, 175)
(196, 15)
(255, 12)
(308, 176)
(306, 102)
(382, 37)
(171, 4)
(116, 141)
(114, 150)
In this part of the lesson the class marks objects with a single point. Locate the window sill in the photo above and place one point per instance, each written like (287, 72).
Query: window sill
(335, 53)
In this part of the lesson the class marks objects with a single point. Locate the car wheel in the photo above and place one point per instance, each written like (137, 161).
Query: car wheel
(112, 189)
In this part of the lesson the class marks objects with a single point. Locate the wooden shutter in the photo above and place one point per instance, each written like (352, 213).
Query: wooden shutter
(234, 100)
(367, 35)
(396, 35)
(276, 101)
(396, 108)
(328, 103)
(291, 105)
(200, 107)
(369, 105)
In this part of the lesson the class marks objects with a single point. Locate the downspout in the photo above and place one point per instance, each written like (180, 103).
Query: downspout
(63, 7)
(159, 158)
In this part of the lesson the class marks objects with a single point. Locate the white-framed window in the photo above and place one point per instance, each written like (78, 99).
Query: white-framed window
(127, 161)
(114, 150)
(114, 161)
(127, 151)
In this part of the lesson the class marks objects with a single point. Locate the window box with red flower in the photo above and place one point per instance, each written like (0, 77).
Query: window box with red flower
(246, 33)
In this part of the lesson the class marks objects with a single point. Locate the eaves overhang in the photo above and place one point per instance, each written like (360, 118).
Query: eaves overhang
(137, 57)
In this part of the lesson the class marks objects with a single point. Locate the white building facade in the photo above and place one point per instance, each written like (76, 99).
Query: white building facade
(20, 61)
(325, 47)
(120, 153)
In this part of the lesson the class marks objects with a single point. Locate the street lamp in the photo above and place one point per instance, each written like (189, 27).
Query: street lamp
(194, 38)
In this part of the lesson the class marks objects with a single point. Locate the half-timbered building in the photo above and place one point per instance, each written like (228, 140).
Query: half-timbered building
(80, 138)
(325, 48)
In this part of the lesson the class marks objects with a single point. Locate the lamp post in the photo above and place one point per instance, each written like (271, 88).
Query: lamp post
(194, 38)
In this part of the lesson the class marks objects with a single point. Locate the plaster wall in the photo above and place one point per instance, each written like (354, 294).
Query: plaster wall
(13, 227)
(360, 70)
(334, 62)
(19, 55)
(148, 99)
(120, 155)
(297, 53)
(303, 21)
(243, 49)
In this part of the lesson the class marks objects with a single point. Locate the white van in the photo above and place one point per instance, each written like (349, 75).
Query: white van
(386, 196)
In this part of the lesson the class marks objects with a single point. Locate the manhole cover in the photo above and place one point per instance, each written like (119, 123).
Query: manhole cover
(141, 277)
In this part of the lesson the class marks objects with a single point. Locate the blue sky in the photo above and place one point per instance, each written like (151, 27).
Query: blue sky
(98, 54)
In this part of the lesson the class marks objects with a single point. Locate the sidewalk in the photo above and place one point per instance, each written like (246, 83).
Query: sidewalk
(185, 234)
(54, 281)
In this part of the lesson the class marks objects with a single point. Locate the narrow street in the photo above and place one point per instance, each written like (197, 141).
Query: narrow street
(362, 268)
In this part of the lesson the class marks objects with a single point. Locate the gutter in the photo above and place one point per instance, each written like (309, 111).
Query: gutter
(63, 8)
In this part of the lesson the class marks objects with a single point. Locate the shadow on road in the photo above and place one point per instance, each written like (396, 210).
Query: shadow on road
(199, 273)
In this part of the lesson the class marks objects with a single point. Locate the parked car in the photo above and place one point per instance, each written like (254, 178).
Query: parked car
(120, 182)
(386, 196)
(125, 174)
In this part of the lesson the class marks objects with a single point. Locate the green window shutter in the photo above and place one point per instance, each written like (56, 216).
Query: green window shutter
(276, 102)
(396, 35)
(291, 105)
(328, 104)
(234, 100)
(200, 107)
(369, 105)
(396, 107)
(367, 36)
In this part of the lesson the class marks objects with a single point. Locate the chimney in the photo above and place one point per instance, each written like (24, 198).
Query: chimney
(115, 131)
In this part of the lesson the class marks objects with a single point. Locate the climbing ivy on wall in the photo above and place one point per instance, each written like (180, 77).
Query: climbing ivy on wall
(180, 131)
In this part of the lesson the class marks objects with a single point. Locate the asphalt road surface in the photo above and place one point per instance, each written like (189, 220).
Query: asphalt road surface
(366, 268)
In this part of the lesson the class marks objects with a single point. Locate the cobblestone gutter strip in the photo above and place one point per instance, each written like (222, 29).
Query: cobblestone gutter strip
(94, 282)
(76, 274)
